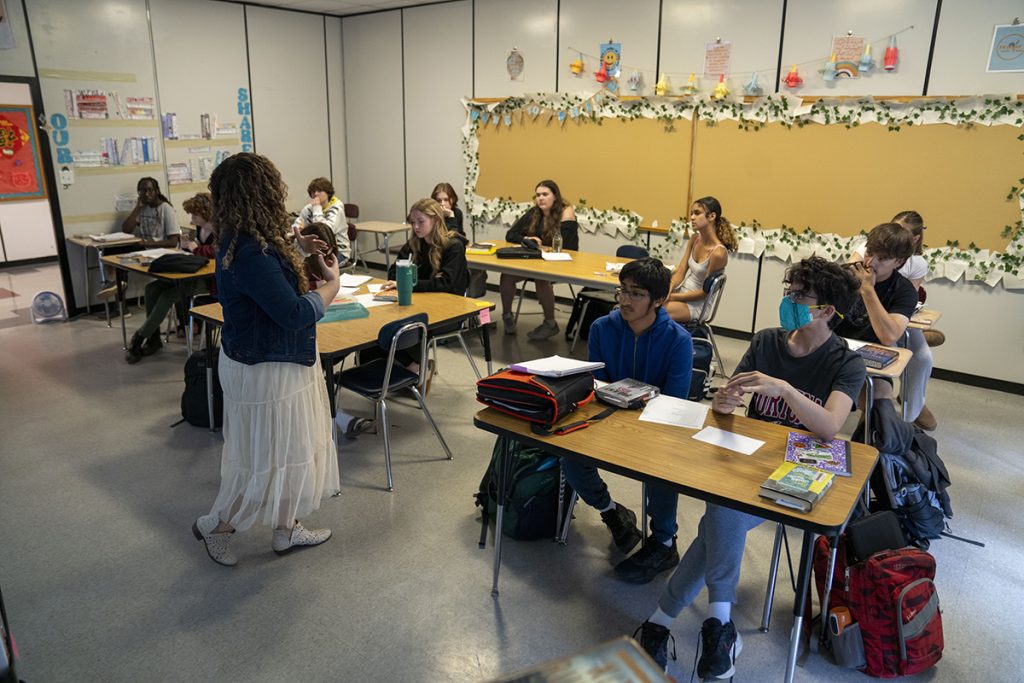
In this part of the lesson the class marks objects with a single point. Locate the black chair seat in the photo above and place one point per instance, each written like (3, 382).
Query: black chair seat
(598, 295)
(367, 379)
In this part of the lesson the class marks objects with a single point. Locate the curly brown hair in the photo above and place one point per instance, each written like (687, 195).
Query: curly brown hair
(248, 199)
(199, 204)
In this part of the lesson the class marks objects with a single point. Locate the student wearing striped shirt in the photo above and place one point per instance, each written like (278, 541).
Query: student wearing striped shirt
(324, 207)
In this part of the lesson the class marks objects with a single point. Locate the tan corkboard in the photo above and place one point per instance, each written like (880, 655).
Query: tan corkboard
(636, 165)
(840, 180)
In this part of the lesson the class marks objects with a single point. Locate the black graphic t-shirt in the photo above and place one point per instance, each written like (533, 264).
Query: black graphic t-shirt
(830, 367)
(897, 295)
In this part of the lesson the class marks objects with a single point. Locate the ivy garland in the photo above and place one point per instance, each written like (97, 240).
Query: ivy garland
(951, 261)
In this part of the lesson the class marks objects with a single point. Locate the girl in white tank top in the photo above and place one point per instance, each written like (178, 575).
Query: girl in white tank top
(706, 252)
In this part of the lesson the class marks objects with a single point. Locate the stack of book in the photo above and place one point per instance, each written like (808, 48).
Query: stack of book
(796, 486)
(877, 357)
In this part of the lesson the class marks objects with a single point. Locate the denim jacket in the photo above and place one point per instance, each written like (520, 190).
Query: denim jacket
(265, 319)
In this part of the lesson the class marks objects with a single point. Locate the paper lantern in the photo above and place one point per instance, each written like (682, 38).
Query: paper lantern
(721, 90)
(892, 55)
(661, 88)
(752, 88)
(792, 79)
(829, 74)
(691, 87)
(576, 66)
(601, 76)
(635, 82)
(866, 63)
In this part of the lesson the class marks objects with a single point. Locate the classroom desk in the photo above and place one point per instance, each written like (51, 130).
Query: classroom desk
(586, 269)
(338, 339)
(381, 229)
(87, 243)
(126, 263)
(924, 319)
(696, 469)
(891, 371)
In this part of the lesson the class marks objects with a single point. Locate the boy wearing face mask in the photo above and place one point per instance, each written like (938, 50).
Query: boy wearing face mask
(801, 375)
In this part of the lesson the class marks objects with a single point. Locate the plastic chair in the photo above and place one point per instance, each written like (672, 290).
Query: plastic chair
(351, 214)
(630, 251)
(382, 377)
(714, 285)
(456, 333)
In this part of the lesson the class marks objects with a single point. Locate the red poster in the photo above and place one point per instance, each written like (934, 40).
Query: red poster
(21, 173)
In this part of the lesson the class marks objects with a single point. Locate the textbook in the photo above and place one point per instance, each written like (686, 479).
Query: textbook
(877, 357)
(796, 486)
(482, 248)
(555, 366)
(832, 456)
(627, 393)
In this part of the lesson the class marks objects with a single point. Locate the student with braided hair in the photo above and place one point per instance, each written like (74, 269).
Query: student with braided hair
(707, 252)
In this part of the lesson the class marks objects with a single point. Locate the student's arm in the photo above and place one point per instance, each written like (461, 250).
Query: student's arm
(680, 367)
(570, 229)
(680, 272)
(404, 253)
(719, 257)
(170, 228)
(515, 233)
(888, 327)
(730, 397)
(600, 331)
(333, 218)
(132, 221)
(454, 271)
(824, 421)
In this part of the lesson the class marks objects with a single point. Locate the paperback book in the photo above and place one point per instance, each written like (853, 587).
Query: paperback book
(877, 357)
(627, 393)
(796, 486)
(832, 456)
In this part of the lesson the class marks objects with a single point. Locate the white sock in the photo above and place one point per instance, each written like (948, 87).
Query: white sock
(668, 543)
(721, 611)
(661, 619)
(611, 506)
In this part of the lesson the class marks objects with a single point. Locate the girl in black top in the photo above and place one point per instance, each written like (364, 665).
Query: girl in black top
(439, 253)
(444, 194)
(550, 215)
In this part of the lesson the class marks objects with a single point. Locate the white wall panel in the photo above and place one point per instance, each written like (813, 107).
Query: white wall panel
(434, 115)
(374, 114)
(289, 95)
(585, 24)
(17, 61)
(499, 26)
(811, 24)
(962, 48)
(28, 229)
(198, 81)
(336, 107)
(687, 25)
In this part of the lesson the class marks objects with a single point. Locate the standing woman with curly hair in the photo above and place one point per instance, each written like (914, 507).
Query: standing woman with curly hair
(707, 252)
(278, 459)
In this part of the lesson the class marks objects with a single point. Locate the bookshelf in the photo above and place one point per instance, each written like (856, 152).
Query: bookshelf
(111, 170)
(203, 142)
(114, 123)
(182, 188)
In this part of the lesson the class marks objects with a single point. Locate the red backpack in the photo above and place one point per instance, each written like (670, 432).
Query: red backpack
(892, 596)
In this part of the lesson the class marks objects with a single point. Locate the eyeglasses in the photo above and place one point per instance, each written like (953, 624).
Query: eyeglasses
(795, 295)
(633, 294)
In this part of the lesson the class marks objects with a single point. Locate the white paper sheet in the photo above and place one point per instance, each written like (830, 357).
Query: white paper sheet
(555, 366)
(367, 300)
(734, 442)
(553, 256)
(678, 412)
(349, 280)
(373, 289)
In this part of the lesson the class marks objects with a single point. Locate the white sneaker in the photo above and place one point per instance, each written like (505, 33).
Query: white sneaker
(218, 545)
(547, 329)
(287, 540)
(108, 292)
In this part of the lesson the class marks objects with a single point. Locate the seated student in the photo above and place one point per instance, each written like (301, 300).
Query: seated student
(801, 375)
(162, 295)
(707, 252)
(638, 341)
(440, 258)
(550, 214)
(887, 299)
(444, 194)
(324, 207)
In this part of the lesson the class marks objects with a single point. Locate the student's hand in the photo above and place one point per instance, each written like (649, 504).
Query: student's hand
(318, 199)
(726, 400)
(535, 240)
(757, 383)
(310, 244)
(189, 245)
(450, 213)
(389, 285)
(862, 271)
(329, 267)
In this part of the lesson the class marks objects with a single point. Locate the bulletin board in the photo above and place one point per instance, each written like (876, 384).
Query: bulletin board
(635, 164)
(21, 171)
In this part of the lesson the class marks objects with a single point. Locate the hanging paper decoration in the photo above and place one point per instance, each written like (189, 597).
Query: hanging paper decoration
(866, 63)
(484, 116)
(892, 54)
(829, 74)
(576, 66)
(601, 76)
(611, 54)
(752, 88)
(636, 82)
(514, 64)
(561, 117)
(691, 87)
(721, 90)
(508, 120)
(662, 88)
(534, 111)
(793, 79)
(474, 115)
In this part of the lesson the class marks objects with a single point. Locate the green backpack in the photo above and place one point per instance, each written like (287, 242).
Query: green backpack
(531, 506)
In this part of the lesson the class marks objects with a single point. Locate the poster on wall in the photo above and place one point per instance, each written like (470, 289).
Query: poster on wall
(1007, 52)
(21, 170)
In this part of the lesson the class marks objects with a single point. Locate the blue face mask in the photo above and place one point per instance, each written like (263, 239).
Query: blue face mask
(793, 316)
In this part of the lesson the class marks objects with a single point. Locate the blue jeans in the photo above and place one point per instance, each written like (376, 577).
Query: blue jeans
(661, 500)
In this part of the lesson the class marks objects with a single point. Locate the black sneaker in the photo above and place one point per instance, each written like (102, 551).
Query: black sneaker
(654, 640)
(652, 559)
(621, 522)
(153, 344)
(134, 353)
(720, 646)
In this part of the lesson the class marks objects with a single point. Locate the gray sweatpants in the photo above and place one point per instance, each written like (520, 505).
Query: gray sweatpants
(713, 558)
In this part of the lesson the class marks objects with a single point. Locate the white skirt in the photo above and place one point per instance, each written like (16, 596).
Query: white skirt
(278, 454)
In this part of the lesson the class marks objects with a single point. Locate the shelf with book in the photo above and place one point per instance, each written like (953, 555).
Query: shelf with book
(110, 170)
(182, 188)
(114, 123)
(202, 142)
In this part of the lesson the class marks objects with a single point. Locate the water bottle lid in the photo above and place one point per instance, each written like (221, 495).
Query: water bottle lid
(403, 263)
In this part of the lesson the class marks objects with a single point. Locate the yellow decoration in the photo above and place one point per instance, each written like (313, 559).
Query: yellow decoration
(576, 67)
(691, 86)
(721, 90)
(661, 88)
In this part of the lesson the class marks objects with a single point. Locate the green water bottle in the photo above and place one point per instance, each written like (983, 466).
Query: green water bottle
(405, 279)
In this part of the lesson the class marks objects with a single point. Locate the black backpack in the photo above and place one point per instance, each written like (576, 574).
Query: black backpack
(531, 507)
(194, 408)
(579, 325)
(700, 379)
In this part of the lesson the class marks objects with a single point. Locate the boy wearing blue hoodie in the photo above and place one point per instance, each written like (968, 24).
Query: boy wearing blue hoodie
(638, 341)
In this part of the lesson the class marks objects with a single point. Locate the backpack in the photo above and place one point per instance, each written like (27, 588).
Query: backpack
(194, 408)
(703, 351)
(580, 325)
(915, 476)
(892, 600)
(531, 505)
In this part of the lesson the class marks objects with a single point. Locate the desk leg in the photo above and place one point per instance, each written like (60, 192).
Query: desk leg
(833, 545)
(903, 378)
(504, 474)
(121, 291)
(485, 339)
(387, 254)
(803, 584)
(869, 401)
(208, 330)
(85, 272)
(103, 281)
